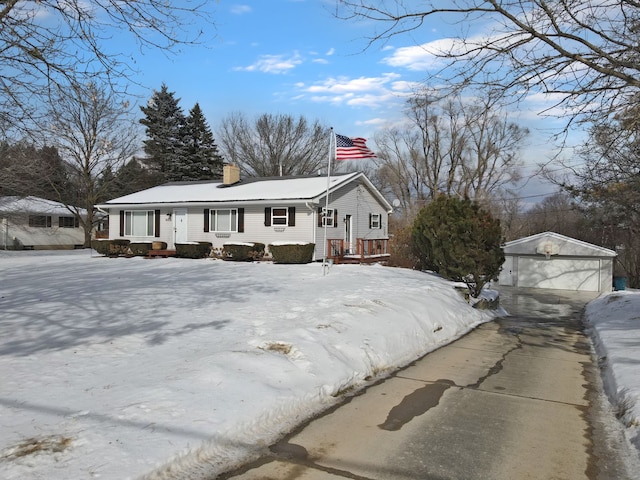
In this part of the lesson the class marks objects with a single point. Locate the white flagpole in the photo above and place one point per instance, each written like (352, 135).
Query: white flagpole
(326, 209)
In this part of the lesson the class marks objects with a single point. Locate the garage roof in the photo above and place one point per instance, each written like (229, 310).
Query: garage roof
(559, 244)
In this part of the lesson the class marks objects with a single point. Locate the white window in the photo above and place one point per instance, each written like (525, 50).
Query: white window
(40, 221)
(139, 223)
(374, 220)
(68, 222)
(279, 216)
(224, 220)
(328, 217)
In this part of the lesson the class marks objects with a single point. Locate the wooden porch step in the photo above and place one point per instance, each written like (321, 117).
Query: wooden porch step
(160, 253)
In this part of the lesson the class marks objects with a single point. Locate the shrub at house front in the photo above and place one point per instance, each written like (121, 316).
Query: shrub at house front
(193, 249)
(243, 251)
(118, 246)
(292, 252)
(460, 241)
(101, 246)
(140, 249)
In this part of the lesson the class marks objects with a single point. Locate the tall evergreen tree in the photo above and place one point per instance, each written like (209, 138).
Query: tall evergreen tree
(165, 122)
(201, 159)
(130, 177)
(460, 241)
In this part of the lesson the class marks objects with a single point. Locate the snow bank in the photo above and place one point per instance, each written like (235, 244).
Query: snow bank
(615, 327)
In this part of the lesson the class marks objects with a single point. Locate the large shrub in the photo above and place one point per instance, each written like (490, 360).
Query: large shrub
(459, 240)
(101, 246)
(243, 251)
(193, 250)
(292, 252)
(118, 246)
(140, 248)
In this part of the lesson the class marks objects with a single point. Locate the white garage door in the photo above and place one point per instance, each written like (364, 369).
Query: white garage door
(559, 273)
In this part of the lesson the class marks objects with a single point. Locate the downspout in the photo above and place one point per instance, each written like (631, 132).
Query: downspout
(313, 209)
(5, 222)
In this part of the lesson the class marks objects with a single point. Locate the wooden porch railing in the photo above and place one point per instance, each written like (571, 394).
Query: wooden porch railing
(366, 249)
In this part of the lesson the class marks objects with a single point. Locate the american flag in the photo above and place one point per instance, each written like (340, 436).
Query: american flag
(352, 148)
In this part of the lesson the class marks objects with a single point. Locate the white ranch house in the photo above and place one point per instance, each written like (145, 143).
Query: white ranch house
(37, 223)
(265, 210)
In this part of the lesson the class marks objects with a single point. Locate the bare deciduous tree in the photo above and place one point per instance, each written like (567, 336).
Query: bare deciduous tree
(274, 145)
(583, 53)
(95, 133)
(46, 44)
(467, 149)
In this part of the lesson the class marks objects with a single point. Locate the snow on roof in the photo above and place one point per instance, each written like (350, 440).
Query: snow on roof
(259, 189)
(580, 247)
(14, 204)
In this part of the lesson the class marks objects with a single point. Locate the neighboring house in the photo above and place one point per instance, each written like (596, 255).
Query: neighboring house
(265, 210)
(551, 260)
(36, 223)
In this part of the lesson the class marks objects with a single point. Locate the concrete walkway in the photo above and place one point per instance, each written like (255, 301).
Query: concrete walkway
(518, 398)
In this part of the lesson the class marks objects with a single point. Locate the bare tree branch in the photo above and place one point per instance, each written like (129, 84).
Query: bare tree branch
(45, 44)
(455, 146)
(585, 54)
(95, 135)
(274, 145)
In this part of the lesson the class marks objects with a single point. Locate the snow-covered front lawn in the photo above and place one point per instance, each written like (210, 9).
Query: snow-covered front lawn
(118, 368)
(178, 368)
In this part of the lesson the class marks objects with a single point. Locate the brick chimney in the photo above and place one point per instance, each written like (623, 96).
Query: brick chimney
(230, 174)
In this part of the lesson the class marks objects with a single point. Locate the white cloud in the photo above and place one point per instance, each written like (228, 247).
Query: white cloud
(421, 57)
(275, 64)
(330, 52)
(240, 9)
(340, 85)
(370, 92)
(322, 61)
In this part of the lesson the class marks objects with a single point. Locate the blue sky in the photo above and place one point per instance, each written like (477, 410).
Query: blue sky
(294, 57)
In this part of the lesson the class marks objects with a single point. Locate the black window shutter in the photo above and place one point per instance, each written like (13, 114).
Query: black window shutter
(319, 216)
(335, 218)
(370, 219)
(49, 221)
(267, 216)
(77, 222)
(122, 223)
(241, 220)
(380, 221)
(157, 223)
(206, 219)
(292, 216)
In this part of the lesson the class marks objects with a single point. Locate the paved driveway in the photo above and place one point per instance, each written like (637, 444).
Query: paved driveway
(518, 398)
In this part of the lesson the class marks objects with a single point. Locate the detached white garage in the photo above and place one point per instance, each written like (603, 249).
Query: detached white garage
(551, 260)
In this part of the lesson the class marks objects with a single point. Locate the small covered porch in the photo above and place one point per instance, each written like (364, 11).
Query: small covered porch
(367, 250)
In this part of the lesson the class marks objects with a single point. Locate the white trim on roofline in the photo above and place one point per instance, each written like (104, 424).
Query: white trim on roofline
(605, 251)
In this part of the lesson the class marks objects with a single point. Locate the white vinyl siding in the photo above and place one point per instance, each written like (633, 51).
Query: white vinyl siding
(359, 202)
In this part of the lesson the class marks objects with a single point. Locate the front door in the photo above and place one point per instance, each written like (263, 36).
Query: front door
(180, 225)
(348, 240)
